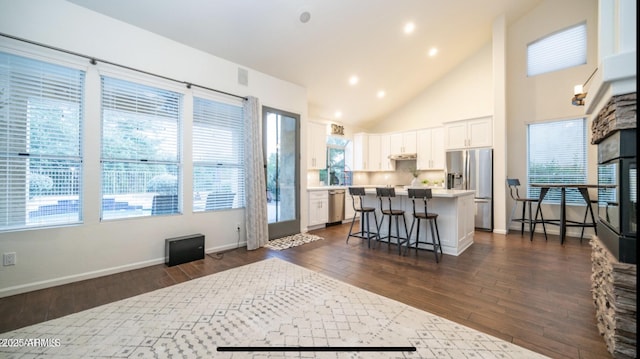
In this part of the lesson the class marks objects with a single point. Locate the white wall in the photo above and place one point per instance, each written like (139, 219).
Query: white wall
(465, 92)
(548, 96)
(47, 257)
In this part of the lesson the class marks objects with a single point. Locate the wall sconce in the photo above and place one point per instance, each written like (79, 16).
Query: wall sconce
(579, 93)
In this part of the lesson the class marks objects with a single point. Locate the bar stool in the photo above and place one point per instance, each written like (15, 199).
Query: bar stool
(388, 193)
(513, 184)
(424, 195)
(589, 210)
(364, 216)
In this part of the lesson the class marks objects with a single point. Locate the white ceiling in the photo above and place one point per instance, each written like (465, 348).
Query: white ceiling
(342, 38)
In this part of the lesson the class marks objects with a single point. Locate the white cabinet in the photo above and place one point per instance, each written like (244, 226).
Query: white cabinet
(385, 150)
(403, 142)
(430, 149)
(360, 152)
(374, 152)
(456, 220)
(469, 133)
(317, 146)
(379, 153)
(349, 212)
(318, 207)
(466, 220)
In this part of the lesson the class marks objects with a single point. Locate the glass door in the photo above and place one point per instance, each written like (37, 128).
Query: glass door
(281, 131)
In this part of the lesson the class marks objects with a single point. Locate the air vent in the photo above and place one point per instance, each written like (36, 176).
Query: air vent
(243, 76)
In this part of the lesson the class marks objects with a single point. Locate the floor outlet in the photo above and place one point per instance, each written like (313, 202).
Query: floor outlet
(9, 259)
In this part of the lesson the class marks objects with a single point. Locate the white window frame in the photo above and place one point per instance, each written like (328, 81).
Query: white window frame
(222, 157)
(60, 201)
(557, 51)
(161, 199)
(555, 150)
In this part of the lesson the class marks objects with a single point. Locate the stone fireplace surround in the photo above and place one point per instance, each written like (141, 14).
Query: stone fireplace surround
(614, 284)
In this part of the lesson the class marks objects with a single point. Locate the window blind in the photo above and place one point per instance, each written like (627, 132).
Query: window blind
(561, 50)
(140, 149)
(41, 110)
(218, 155)
(557, 153)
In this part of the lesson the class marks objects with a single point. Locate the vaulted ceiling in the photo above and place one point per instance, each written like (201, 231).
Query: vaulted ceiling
(340, 39)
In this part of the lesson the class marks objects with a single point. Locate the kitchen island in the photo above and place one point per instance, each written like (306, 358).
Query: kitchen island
(455, 209)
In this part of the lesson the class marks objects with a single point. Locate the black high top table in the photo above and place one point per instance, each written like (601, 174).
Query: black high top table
(563, 222)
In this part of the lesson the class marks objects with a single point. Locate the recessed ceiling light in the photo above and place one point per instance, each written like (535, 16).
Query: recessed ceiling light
(353, 80)
(433, 52)
(338, 114)
(381, 94)
(409, 27)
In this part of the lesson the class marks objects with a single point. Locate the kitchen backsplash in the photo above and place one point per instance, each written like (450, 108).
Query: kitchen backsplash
(402, 176)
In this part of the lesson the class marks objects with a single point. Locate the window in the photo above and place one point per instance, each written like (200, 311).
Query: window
(218, 155)
(41, 109)
(557, 153)
(140, 150)
(337, 172)
(561, 50)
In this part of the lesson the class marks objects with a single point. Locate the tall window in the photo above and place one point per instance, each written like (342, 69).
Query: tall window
(218, 155)
(140, 150)
(561, 50)
(337, 172)
(41, 109)
(557, 153)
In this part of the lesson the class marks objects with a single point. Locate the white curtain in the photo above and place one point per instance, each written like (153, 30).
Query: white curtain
(256, 222)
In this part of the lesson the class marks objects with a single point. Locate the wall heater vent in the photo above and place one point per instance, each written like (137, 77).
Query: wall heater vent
(184, 249)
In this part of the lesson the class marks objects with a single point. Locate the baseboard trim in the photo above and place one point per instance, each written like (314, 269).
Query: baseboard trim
(554, 230)
(29, 287)
(225, 247)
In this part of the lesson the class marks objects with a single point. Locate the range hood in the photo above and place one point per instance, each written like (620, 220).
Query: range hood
(403, 157)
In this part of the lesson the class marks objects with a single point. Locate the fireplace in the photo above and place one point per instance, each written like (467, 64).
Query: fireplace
(617, 175)
(617, 196)
(613, 255)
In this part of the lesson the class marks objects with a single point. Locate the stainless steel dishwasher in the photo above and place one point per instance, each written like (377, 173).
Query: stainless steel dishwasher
(336, 205)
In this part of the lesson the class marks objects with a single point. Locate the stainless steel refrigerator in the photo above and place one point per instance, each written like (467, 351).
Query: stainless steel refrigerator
(473, 170)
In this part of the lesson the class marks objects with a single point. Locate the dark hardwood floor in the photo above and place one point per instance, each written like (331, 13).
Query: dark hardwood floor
(534, 294)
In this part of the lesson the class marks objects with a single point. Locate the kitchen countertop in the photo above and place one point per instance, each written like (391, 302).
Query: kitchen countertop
(401, 191)
(436, 192)
(325, 188)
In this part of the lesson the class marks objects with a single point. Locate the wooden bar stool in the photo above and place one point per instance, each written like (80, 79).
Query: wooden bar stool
(365, 212)
(513, 184)
(424, 195)
(385, 194)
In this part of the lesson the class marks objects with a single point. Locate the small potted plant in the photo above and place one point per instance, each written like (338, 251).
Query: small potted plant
(415, 173)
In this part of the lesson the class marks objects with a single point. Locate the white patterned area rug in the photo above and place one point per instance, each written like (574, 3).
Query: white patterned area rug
(268, 309)
(292, 241)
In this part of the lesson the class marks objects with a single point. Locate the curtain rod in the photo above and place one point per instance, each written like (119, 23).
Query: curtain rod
(94, 61)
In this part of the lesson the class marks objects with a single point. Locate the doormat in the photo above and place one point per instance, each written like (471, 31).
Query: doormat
(291, 241)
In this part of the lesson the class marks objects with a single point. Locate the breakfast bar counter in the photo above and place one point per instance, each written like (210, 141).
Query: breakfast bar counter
(455, 209)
